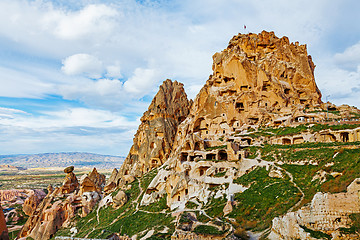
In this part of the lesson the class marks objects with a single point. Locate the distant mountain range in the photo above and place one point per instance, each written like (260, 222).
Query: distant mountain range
(63, 159)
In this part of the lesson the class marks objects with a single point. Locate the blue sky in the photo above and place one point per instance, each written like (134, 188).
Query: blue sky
(77, 75)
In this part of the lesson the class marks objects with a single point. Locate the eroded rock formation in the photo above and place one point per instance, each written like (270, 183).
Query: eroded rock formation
(327, 213)
(257, 79)
(154, 138)
(70, 183)
(3, 229)
(61, 204)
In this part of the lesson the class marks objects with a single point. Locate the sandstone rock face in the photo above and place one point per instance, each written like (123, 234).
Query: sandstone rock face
(92, 182)
(257, 79)
(70, 183)
(61, 205)
(88, 201)
(31, 204)
(154, 139)
(3, 228)
(111, 183)
(327, 212)
(69, 169)
(120, 199)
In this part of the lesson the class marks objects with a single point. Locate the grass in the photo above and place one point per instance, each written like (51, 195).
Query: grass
(207, 230)
(191, 205)
(214, 208)
(158, 206)
(215, 147)
(126, 220)
(316, 234)
(220, 174)
(265, 199)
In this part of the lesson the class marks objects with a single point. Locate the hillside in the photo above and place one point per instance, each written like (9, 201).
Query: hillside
(257, 154)
(64, 159)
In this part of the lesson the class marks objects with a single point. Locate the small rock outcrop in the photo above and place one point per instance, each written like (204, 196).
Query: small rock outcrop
(93, 182)
(70, 183)
(120, 199)
(154, 138)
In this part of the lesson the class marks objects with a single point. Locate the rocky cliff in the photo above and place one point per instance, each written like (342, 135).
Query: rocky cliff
(252, 153)
(3, 228)
(154, 138)
(257, 79)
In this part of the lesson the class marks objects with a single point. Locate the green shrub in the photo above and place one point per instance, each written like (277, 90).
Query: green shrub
(207, 230)
(316, 234)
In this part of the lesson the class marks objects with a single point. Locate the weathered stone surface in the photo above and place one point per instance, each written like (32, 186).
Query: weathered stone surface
(97, 178)
(3, 229)
(327, 212)
(109, 187)
(69, 169)
(228, 208)
(88, 201)
(70, 183)
(120, 199)
(154, 138)
(31, 204)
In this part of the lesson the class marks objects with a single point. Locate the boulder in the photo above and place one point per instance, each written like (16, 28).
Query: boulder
(110, 187)
(69, 169)
(120, 199)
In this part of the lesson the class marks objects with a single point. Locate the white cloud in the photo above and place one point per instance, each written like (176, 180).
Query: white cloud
(106, 93)
(71, 129)
(82, 64)
(10, 113)
(93, 18)
(350, 58)
(141, 82)
(22, 84)
(114, 71)
(137, 44)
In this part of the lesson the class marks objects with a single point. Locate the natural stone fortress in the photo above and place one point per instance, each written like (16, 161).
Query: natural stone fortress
(200, 148)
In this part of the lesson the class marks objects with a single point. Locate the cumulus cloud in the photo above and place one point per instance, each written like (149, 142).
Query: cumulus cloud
(113, 71)
(83, 129)
(108, 54)
(141, 82)
(350, 58)
(93, 18)
(82, 64)
(107, 93)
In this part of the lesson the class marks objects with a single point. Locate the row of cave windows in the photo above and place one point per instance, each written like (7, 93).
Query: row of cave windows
(222, 156)
(344, 137)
